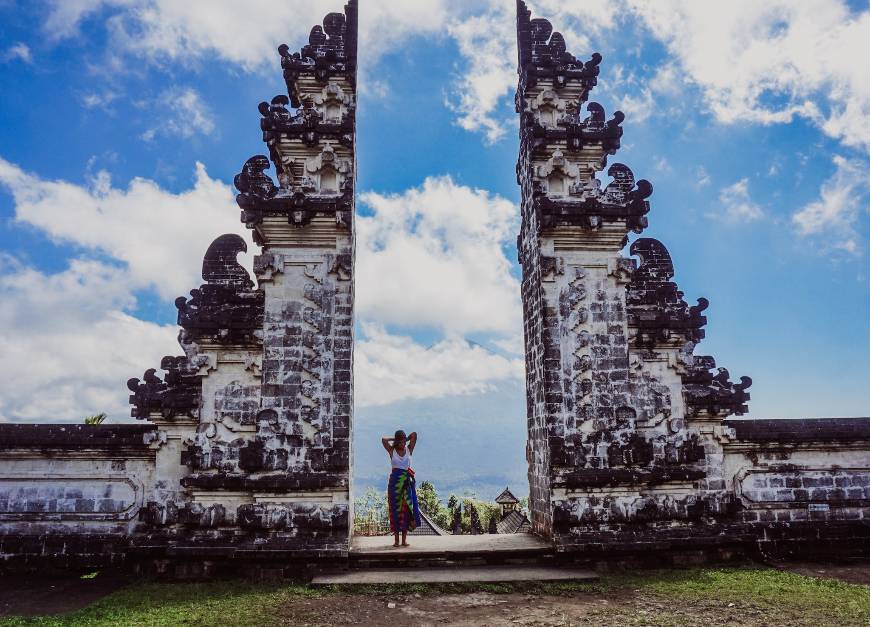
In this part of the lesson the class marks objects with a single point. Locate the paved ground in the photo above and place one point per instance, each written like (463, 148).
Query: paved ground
(425, 545)
(466, 574)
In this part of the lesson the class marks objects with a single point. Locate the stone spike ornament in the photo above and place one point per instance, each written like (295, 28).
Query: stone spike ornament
(616, 399)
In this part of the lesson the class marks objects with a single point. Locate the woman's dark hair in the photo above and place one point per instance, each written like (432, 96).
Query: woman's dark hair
(399, 435)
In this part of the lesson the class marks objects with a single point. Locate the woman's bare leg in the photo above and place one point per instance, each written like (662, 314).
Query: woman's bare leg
(405, 538)
(396, 543)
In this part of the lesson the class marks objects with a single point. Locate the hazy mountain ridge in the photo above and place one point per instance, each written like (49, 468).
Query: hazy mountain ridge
(480, 448)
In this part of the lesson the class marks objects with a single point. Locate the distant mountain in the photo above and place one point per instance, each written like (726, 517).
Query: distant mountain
(467, 444)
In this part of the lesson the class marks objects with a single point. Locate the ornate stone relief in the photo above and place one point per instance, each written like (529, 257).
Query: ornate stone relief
(326, 173)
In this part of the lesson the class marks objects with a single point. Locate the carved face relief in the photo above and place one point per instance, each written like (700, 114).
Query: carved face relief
(559, 174)
(327, 172)
(548, 107)
(332, 103)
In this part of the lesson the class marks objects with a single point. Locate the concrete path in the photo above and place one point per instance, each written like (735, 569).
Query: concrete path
(430, 545)
(480, 574)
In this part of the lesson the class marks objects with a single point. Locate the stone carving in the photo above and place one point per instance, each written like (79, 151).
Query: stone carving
(656, 308)
(559, 174)
(279, 397)
(331, 49)
(550, 124)
(587, 206)
(333, 103)
(714, 395)
(329, 115)
(328, 172)
(543, 55)
(260, 197)
(225, 308)
(177, 394)
(253, 183)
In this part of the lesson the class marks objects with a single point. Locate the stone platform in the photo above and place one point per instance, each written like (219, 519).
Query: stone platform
(429, 546)
(450, 552)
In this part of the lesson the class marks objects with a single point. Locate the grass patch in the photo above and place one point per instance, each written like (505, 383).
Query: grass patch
(830, 600)
(213, 603)
(706, 596)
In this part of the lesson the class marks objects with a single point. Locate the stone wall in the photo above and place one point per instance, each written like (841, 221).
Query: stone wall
(70, 495)
(802, 485)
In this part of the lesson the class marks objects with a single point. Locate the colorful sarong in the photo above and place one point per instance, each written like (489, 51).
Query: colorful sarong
(402, 501)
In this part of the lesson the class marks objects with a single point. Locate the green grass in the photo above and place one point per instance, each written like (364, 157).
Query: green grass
(830, 600)
(751, 593)
(215, 603)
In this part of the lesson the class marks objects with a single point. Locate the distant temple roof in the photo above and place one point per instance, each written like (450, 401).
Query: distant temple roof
(506, 497)
(514, 522)
(428, 528)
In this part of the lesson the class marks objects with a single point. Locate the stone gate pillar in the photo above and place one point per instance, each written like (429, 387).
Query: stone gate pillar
(622, 417)
(305, 227)
(255, 419)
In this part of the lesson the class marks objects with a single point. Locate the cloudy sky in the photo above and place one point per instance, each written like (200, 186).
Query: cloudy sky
(126, 120)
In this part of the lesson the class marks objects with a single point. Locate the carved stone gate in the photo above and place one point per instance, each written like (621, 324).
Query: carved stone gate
(246, 454)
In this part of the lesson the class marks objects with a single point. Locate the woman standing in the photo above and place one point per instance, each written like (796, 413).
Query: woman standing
(401, 490)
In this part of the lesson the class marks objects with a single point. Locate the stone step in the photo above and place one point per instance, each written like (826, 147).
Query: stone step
(459, 574)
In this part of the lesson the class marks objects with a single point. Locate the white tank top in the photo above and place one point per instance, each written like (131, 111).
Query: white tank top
(401, 461)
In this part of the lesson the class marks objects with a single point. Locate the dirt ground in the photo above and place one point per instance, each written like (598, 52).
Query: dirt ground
(611, 609)
(33, 596)
(485, 608)
(850, 573)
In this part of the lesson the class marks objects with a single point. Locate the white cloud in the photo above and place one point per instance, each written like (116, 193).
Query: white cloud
(703, 176)
(431, 258)
(768, 62)
(753, 62)
(637, 106)
(487, 44)
(434, 257)
(18, 51)
(160, 236)
(183, 113)
(68, 342)
(662, 165)
(483, 30)
(65, 15)
(834, 216)
(244, 33)
(737, 206)
(390, 368)
(99, 99)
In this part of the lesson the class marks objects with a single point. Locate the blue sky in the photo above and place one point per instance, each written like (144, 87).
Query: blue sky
(126, 120)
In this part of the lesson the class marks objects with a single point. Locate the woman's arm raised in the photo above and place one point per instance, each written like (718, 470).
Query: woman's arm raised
(412, 441)
(386, 442)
